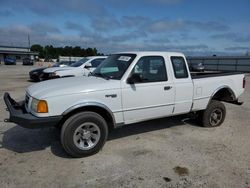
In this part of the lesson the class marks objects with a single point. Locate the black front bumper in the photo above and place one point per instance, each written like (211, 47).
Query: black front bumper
(48, 76)
(20, 116)
(34, 76)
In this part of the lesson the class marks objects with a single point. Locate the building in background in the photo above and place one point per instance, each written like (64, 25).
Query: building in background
(17, 53)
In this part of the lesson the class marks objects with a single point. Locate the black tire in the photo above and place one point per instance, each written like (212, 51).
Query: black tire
(73, 124)
(214, 115)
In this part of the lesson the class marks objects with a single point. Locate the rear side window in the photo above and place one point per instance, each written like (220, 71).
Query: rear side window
(150, 69)
(179, 66)
(97, 62)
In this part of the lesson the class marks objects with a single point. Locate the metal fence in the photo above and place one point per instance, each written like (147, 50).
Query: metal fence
(222, 63)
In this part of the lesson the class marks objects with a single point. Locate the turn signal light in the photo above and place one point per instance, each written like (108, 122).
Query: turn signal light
(42, 107)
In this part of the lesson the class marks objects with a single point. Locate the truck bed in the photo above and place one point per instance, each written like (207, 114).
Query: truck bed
(208, 83)
(198, 75)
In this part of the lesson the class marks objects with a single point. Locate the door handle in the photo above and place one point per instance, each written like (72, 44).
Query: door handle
(167, 87)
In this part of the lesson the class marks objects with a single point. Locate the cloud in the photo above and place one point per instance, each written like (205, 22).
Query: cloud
(107, 44)
(15, 31)
(14, 35)
(74, 26)
(161, 26)
(238, 48)
(18, 34)
(185, 25)
(153, 26)
(130, 36)
(103, 24)
(134, 21)
(236, 37)
(43, 28)
(55, 7)
(208, 26)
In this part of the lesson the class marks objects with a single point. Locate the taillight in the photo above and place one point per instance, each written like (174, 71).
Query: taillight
(244, 82)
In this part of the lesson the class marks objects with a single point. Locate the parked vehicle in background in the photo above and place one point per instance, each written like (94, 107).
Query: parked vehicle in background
(9, 61)
(80, 68)
(199, 67)
(126, 88)
(36, 74)
(28, 61)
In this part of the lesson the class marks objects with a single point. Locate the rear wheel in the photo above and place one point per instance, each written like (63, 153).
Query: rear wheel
(84, 134)
(214, 115)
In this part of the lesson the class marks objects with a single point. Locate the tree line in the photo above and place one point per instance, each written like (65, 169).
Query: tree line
(50, 52)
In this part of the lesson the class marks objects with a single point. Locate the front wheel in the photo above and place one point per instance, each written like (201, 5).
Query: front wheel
(214, 115)
(84, 134)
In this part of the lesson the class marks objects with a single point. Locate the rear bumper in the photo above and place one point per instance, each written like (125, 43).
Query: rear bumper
(18, 115)
(237, 102)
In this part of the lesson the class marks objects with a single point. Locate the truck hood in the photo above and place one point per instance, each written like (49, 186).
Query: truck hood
(72, 85)
(54, 69)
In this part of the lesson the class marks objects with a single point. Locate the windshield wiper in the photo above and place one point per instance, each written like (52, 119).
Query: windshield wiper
(99, 75)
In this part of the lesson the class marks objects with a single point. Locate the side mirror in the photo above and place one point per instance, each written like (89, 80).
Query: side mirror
(130, 80)
(134, 78)
(88, 65)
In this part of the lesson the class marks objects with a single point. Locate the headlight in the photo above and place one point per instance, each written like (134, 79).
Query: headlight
(39, 106)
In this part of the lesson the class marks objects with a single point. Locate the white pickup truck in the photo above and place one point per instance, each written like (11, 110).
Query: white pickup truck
(126, 88)
(80, 68)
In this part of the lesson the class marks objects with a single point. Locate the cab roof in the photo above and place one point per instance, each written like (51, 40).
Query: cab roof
(142, 53)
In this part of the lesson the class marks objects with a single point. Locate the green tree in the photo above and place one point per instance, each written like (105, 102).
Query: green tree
(38, 48)
(76, 51)
(51, 52)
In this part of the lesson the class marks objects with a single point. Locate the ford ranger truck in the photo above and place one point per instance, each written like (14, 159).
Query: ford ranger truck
(126, 88)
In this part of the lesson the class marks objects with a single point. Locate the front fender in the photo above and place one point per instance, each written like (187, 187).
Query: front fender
(90, 104)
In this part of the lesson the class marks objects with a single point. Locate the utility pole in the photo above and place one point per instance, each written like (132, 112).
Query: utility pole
(29, 41)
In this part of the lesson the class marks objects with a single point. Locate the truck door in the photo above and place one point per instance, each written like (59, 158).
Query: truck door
(183, 85)
(148, 93)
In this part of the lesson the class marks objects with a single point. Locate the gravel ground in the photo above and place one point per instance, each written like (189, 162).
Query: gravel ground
(169, 152)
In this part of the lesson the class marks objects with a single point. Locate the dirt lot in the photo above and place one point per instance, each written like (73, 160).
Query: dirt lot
(170, 152)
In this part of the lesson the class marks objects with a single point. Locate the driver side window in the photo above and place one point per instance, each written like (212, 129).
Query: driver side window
(149, 69)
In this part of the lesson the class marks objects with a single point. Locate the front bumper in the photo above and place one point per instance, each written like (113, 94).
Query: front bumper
(48, 76)
(20, 116)
(34, 76)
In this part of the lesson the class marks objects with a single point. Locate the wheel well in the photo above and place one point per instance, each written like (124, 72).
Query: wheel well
(224, 94)
(99, 110)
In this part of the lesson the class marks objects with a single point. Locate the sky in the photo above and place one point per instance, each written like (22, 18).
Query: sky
(194, 27)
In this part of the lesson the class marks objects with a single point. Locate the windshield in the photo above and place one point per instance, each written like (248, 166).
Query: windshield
(114, 66)
(79, 63)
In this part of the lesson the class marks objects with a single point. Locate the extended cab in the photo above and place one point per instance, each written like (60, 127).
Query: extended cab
(80, 68)
(126, 88)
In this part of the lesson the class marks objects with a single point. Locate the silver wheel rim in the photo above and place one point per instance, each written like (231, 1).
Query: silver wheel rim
(216, 117)
(86, 136)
